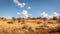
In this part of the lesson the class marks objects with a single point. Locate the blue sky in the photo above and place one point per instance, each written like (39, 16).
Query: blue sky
(9, 8)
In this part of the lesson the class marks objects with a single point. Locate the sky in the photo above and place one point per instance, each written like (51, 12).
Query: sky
(32, 7)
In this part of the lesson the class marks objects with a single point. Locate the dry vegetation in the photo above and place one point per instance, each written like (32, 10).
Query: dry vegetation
(29, 26)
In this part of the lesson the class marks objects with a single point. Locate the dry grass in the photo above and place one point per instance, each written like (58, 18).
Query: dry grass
(26, 28)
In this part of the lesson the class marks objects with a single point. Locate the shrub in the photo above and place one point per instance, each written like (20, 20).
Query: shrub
(55, 18)
(44, 19)
(13, 19)
(58, 21)
(30, 30)
(25, 27)
(33, 18)
(58, 28)
(23, 21)
(10, 22)
(19, 19)
(50, 22)
(38, 22)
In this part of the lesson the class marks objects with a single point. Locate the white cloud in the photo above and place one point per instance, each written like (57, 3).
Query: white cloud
(24, 13)
(29, 7)
(24, 4)
(21, 5)
(55, 14)
(18, 13)
(44, 15)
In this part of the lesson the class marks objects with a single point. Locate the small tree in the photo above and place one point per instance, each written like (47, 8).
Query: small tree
(29, 17)
(18, 19)
(44, 19)
(58, 21)
(55, 18)
(33, 18)
(13, 19)
(38, 17)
